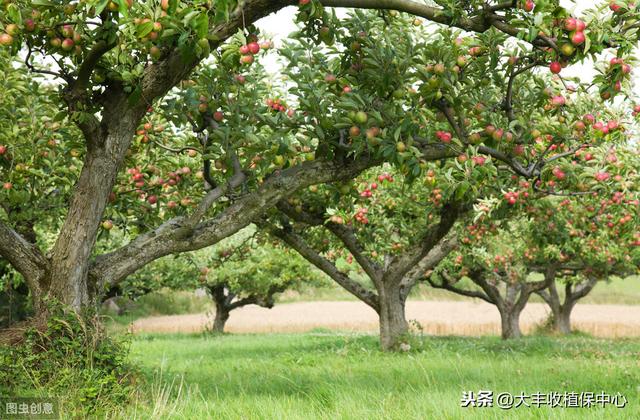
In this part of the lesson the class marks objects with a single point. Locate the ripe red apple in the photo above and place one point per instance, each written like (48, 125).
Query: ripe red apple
(580, 25)
(304, 2)
(577, 38)
(152, 199)
(7, 185)
(157, 26)
(570, 24)
(3, 149)
(246, 59)
(164, 5)
(518, 150)
(555, 67)
(218, 116)
(240, 79)
(244, 50)
(254, 47)
(528, 6)
(558, 101)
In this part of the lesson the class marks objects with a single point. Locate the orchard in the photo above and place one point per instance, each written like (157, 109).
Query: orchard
(396, 147)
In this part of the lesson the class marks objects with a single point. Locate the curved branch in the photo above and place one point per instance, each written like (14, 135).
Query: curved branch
(296, 242)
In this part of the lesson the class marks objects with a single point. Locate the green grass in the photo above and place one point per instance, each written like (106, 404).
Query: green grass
(334, 376)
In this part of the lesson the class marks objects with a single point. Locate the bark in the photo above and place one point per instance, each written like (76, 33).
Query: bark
(510, 321)
(222, 315)
(393, 324)
(70, 256)
(561, 311)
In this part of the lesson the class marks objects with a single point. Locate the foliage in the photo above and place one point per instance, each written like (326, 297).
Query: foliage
(69, 356)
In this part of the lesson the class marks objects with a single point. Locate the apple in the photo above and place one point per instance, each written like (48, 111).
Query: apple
(555, 67)
(6, 40)
(304, 2)
(107, 225)
(401, 147)
(240, 79)
(570, 24)
(567, 49)
(67, 44)
(354, 131)
(244, 50)
(361, 117)
(254, 47)
(152, 199)
(577, 38)
(157, 26)
(3, 149)
(558, 101)
(246, 59)
(528, 6)
(11, 29)
(164, 5)
(155, 52)
(330, 78)
(218, 116)
(29, 25)
(172, 204)
(601, 176)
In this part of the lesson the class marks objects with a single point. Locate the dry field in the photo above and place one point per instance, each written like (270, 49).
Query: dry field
(440, 318)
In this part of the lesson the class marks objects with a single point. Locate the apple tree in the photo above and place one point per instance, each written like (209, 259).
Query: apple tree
(119, 61)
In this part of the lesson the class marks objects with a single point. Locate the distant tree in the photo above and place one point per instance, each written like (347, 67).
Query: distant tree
(244, 269)
(236, 277)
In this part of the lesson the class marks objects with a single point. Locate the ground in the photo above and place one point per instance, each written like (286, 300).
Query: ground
(328, 375)
(432, 317)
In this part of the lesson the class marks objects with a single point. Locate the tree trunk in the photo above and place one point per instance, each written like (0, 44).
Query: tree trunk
(222, 316)
(510, 320)
(393, 325)
(562, 320)
(107, 145)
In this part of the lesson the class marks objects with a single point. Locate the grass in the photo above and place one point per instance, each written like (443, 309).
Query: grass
(333, 376)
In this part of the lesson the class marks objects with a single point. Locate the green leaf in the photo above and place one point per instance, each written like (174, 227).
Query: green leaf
(144, 29)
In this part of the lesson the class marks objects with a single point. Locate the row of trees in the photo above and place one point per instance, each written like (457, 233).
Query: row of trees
(165, 126)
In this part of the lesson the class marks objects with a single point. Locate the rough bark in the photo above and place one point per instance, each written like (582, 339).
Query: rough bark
(393, 324)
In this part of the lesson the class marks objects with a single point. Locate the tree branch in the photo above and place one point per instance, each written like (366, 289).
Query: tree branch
(399, 266)
(296, 242)
(25, 257)
(448, 284)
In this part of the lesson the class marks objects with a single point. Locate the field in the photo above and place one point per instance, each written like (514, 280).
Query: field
(331, 375)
